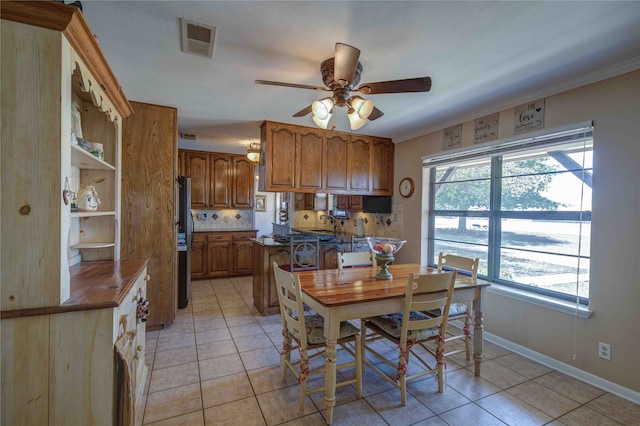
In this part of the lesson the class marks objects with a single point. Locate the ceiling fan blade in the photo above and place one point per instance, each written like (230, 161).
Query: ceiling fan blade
(375, 114)
(345, 63)
(420, 84)
(303, 112)
(295, 86)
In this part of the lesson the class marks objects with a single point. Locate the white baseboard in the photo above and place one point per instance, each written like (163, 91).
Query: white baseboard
(567, 369)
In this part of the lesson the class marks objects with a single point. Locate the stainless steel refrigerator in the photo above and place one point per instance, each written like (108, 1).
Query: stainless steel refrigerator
(185, 241)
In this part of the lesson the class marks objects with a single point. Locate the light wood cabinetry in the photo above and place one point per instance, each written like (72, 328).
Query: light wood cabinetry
(50, 66)
(306, 159)
(148, 212)
(58, 362)
(219, 181)
(61, 312)
(221, 254)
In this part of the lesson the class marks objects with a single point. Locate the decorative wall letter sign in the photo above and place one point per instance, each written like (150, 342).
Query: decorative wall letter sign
(486, 128)
(528, 117)
(452, 137)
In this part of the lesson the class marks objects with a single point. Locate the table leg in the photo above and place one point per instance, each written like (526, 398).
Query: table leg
(331, 332)
(478, 328)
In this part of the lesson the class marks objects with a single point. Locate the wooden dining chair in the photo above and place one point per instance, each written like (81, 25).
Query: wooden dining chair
(412, 326)
(356, 259)
(458, 311)
(306, 332)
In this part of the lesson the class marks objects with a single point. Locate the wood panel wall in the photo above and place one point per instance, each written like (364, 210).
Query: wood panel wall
(149, 164)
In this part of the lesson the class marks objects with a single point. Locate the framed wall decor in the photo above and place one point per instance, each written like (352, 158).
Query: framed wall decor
(261, 203)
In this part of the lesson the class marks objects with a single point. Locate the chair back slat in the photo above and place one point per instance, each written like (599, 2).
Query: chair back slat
(359, 258)
(459, 263)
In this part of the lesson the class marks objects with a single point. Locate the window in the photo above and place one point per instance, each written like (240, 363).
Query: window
(522, 206)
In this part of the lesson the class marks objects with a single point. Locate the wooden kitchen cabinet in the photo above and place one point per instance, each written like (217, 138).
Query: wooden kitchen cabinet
(221, 254)
(382, 160)
(148, 212)
(337, 164)
(241, 252)
(219, 181)
(218, 254)
(243, 172)
(198, 256)
(309, 159)
(277, 165)
(306, 159)
(359, 164)
(349, 202)
(197, 168)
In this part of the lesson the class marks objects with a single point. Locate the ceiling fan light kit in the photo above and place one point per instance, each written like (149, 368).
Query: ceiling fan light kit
(341, 74)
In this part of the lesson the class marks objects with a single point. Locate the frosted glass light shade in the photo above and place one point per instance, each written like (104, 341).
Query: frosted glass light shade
(363, 107)
(322, 123)
(355, 120)
(322, 109)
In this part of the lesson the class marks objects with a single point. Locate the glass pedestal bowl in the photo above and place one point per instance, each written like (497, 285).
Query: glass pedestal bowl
(384, 249)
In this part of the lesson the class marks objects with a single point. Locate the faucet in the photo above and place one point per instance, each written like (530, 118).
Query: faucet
(333, 220)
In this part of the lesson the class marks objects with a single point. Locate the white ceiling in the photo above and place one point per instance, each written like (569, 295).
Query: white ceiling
(481, 56)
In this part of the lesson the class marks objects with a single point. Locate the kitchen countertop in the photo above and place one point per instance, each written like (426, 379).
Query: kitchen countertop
(341, 238)
(224, 230)
(94, 285)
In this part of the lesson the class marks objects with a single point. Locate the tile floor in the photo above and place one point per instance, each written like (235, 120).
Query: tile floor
(218, 364)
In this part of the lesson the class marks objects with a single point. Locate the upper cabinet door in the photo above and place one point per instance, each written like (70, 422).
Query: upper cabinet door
(336, 165)
(198, 170)
(382, 151)
(309, 157)
(280, 156)
(243, 182)
(359, 163)
(221, 180)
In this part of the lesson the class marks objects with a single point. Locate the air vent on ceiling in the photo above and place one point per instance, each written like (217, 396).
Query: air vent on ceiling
(190, 136)
(197, 38)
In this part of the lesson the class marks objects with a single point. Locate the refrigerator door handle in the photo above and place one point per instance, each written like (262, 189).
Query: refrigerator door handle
(192, 230)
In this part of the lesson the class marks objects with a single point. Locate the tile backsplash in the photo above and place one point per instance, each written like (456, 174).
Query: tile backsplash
(377, 224)
(220, 220)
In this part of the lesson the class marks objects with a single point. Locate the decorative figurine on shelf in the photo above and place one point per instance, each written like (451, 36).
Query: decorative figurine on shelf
(88, 199)
(385, 248)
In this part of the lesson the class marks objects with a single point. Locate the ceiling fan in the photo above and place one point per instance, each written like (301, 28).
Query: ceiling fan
(341, 75)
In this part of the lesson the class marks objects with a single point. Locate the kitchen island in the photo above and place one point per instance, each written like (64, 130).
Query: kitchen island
(267, 250)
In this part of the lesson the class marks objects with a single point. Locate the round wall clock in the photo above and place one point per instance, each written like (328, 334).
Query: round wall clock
(407, 187)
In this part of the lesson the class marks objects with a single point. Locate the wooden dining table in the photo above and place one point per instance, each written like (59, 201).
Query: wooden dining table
(347, 294)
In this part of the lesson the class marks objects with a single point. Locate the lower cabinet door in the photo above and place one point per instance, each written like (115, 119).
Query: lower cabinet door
(242, 263)
(198, 260)
(218, 259)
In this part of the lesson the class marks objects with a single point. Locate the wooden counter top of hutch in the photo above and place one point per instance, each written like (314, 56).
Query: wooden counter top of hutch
(94, 285)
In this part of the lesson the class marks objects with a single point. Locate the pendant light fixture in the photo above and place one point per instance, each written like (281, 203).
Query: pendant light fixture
(253, 152)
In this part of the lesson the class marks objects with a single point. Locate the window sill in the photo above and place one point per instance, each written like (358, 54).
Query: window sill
(541, 300)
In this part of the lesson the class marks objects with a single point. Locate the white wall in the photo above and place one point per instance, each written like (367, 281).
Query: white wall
(614, 107)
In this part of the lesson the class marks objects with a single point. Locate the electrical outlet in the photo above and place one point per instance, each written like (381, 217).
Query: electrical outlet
(604, 351)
